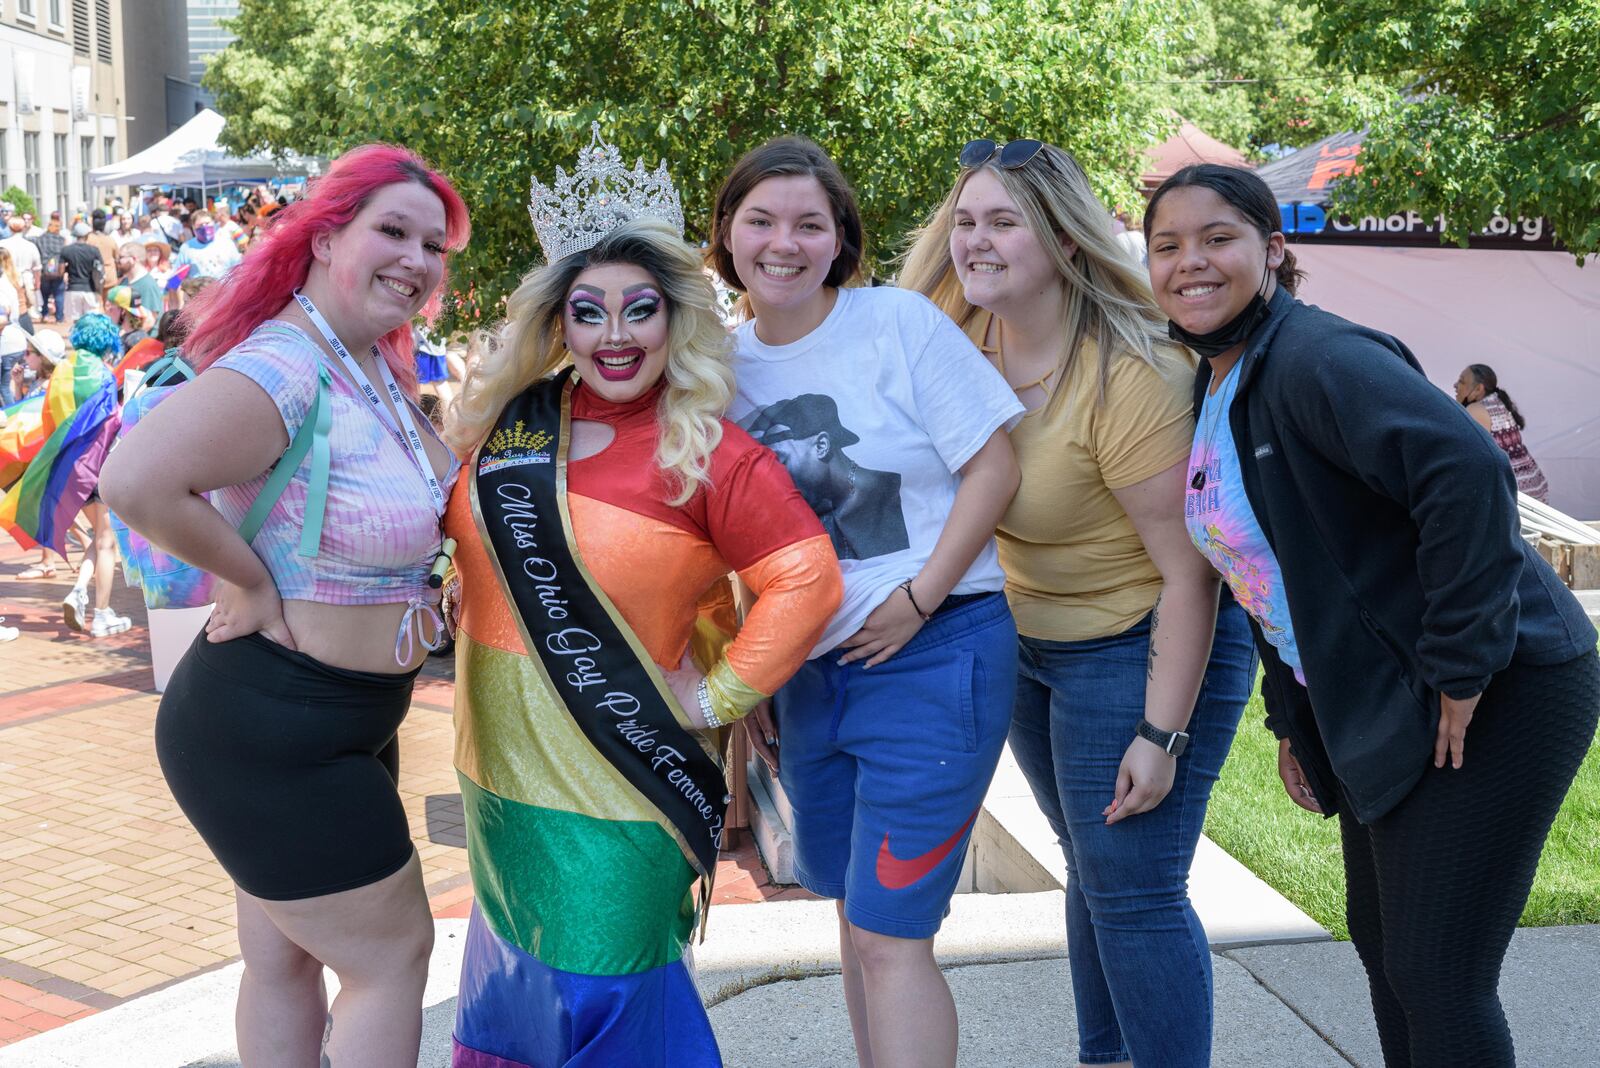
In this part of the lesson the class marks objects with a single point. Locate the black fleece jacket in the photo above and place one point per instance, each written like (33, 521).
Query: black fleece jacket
(1393, 518)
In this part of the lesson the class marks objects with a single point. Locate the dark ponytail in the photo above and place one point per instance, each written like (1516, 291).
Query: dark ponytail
(1243, 191)
(1485, 377)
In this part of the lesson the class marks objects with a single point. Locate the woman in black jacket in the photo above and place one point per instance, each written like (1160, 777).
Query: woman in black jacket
(1369, 527)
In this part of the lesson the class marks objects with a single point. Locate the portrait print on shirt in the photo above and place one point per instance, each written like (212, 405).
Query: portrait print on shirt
(859, 508)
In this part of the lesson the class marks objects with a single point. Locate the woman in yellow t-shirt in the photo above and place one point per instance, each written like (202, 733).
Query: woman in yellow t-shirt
(1126, 705)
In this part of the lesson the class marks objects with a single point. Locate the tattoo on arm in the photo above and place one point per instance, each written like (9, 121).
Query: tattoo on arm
(1155, 624)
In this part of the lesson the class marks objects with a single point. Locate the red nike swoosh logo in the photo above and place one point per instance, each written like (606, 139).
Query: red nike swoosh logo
(897, 874)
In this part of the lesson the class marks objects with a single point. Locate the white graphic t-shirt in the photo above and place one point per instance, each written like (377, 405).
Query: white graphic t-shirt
(873, 414)
(213, 260)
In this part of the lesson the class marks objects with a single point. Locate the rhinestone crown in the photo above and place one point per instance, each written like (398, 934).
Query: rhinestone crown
(600, 195)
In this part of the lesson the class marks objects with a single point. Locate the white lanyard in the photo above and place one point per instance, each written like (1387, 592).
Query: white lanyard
(413, 439)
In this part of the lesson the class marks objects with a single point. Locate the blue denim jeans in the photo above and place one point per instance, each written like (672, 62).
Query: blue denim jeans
(1141, 966)
(53, 292)
(7, 362)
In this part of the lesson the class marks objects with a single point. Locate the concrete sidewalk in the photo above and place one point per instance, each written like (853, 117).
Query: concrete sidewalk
(1303, 1004)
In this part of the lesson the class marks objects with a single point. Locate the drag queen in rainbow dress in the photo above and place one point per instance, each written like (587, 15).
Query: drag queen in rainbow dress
(602, 509)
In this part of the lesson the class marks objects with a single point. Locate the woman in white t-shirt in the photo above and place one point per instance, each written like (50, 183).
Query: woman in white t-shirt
(13, 339)
(892, 425)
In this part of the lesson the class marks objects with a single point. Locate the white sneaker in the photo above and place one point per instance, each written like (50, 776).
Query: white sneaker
(107, 622)
(8, 634)
(75, 608)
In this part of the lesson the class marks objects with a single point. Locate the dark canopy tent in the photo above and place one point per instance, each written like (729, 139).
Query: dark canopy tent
(1303, 183)
(1511, 300)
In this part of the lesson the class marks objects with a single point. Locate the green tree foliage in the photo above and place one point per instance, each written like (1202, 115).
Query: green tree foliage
(19, 200)
(1503, 113)
(279, 82)
(495, 92)
(1250, 76)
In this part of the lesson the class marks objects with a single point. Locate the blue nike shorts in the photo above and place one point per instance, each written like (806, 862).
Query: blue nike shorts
(886, 768)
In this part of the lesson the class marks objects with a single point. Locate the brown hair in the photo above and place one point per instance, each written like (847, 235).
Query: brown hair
(784, 157)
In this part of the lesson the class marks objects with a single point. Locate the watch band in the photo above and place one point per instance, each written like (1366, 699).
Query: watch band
(1173, 742)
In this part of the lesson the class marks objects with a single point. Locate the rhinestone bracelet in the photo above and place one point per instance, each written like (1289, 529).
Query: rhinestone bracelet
(703, 692)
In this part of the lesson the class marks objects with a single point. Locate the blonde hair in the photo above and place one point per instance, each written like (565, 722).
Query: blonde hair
(1108, 298)
(8, 267)
(530, 345)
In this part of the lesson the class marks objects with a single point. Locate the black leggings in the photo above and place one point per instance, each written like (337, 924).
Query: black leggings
(287, 766)
(1436, 886)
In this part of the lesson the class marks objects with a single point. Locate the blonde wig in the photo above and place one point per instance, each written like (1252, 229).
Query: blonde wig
(1108, 298)
(530, 345)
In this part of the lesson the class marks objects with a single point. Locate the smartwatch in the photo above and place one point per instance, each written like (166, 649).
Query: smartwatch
(1173, 742)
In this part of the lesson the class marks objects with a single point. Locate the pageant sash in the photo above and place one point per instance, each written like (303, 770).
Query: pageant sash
(590, 658)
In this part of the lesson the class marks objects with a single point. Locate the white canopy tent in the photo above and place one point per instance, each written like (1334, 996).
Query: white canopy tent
(191, 155)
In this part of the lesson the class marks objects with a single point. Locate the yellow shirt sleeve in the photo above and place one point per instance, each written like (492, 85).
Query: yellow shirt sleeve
(1146, 424)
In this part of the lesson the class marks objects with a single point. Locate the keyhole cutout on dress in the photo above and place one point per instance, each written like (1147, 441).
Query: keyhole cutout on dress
(590, 438)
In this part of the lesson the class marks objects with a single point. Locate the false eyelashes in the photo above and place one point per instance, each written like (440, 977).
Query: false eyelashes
(642, 307)
(587, 311)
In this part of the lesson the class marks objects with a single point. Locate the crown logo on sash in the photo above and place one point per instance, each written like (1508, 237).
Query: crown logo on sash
(515, 447)
(518, 439)
(600, 195)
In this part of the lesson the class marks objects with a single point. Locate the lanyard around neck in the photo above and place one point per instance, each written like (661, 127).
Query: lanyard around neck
(402, 409)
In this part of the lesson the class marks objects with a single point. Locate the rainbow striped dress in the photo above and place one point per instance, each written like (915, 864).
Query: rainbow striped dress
(584, 898)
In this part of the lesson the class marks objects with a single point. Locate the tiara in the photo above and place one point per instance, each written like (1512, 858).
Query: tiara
(600, 196)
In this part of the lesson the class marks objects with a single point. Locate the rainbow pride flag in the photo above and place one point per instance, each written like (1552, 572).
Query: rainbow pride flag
(141, 355)
(21, 437)
(79, 421)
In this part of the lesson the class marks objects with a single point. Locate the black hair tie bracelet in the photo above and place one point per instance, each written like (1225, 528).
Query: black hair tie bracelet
(906, 585)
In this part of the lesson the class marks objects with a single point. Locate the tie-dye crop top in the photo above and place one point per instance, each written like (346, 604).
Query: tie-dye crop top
(380, 533)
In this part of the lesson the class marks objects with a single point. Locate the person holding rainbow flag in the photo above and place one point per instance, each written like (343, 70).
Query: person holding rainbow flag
(78, 424)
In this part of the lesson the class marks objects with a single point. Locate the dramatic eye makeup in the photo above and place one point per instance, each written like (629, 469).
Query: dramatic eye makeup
(641, 304)
(587, 307)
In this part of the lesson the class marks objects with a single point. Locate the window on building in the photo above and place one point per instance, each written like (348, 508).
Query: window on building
(5, 162)
(102, 30)
(30, 166)
(55, 13)
(86, 160)
(80, 27)
(62, 193)
(25, 9)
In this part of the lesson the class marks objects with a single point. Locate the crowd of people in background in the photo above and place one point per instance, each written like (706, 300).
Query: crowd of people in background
(161, 239)
(123, 274)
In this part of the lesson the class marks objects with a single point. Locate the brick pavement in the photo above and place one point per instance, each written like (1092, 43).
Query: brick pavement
(106, 892)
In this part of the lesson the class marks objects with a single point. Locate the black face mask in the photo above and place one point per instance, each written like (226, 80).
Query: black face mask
(1230, 333)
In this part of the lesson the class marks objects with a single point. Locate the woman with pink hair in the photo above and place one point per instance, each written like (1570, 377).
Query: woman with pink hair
(277, 731)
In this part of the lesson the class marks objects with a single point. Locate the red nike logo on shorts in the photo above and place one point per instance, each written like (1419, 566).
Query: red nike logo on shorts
(897, 874)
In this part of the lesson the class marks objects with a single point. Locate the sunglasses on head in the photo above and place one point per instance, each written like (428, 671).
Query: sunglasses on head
(1013, 154)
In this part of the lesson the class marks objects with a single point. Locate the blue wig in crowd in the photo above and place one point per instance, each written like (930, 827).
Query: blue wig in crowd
(97, 334)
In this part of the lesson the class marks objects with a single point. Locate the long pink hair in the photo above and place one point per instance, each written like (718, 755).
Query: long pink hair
(224, 314)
